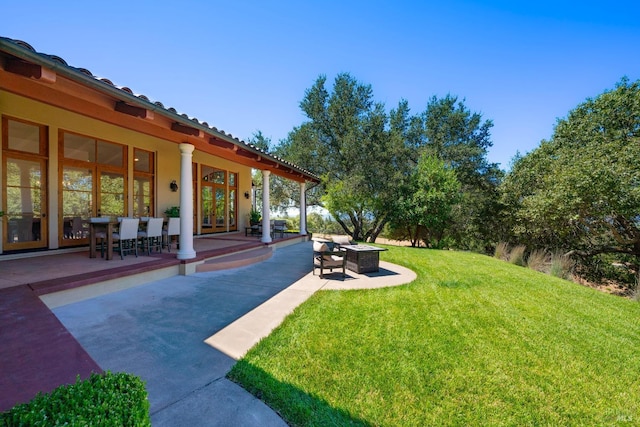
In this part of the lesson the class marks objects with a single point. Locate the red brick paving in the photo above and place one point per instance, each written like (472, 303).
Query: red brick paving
(37, 353)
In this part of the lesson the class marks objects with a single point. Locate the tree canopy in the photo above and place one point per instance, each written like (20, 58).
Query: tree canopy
(424, 206)
(367, 158)
(580, 191)
(461, 138)
(346, 142)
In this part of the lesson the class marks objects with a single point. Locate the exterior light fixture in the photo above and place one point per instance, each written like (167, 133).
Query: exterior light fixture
(246, 194)
(173, 186)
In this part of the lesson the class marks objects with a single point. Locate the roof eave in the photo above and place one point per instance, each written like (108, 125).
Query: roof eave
(74, 74)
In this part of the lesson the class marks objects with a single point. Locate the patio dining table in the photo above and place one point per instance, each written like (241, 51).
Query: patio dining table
(100, 224)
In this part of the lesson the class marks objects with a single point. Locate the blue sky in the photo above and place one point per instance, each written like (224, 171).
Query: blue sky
(244, 66)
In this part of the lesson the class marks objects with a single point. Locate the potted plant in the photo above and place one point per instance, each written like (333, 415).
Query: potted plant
(254, 217)
(172, 212)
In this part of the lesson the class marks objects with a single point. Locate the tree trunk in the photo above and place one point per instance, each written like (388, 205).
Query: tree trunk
(345, 228)
(377, 230)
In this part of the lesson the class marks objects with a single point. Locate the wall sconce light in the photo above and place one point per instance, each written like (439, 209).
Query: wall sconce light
(246, 194)
(173, 186)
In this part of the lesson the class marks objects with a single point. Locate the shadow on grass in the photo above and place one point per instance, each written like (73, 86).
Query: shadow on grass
(296, 407)
(381, 273)
(337, 275)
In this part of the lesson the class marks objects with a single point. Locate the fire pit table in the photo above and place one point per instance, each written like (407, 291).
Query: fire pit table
(363, 258)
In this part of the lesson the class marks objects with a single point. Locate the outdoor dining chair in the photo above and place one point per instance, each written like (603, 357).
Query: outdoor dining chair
(278, 226)
(127, 237)
(100, 234)
(173, 229)
(151, 236)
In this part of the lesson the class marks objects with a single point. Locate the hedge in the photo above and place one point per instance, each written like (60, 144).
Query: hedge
(102, 399)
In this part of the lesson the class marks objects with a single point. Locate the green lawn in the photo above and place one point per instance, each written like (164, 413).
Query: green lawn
(473, 341)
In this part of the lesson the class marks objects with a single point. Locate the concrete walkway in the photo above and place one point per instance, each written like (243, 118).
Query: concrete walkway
(181, 335)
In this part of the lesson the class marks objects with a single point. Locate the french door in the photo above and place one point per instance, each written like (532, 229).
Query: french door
(25, 218)
(24, 188)
(213, 209)
(218, 200)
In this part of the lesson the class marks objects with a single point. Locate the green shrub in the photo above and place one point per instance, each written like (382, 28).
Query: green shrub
(516, 256)
(102, 399)
(254, 216)
(608, 267)
(172, 212)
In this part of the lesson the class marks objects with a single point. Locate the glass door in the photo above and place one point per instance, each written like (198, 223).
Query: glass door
(233, 201)
(24, 186)
(111, 196)
(77, 203)
(25, 219)
(219, 200)
(207, 208)
(220, 209)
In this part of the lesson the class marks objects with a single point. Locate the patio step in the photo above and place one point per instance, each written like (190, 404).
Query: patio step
(235, 260)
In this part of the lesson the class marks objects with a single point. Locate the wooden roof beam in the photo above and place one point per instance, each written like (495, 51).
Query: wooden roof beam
(27, 69)
(249, 154)
(132, 110)
(222, 143)
(187, 130)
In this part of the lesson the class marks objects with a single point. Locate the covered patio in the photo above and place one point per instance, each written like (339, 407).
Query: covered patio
(76, 148)
(56, 271)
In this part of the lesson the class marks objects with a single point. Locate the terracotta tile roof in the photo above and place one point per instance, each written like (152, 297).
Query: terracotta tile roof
(169, 111)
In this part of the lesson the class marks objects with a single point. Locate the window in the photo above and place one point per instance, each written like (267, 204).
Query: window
(26, 137)
(93, 182)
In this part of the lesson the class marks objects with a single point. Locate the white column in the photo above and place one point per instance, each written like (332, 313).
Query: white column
(186, 250)
(266, 220)
(303, 209)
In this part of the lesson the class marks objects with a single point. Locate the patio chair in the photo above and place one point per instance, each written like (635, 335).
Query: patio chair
(152, 235)
(279, 226)
(173, 229)
(101, 234)
(325, 258)
(127, 236)
(77, 228)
